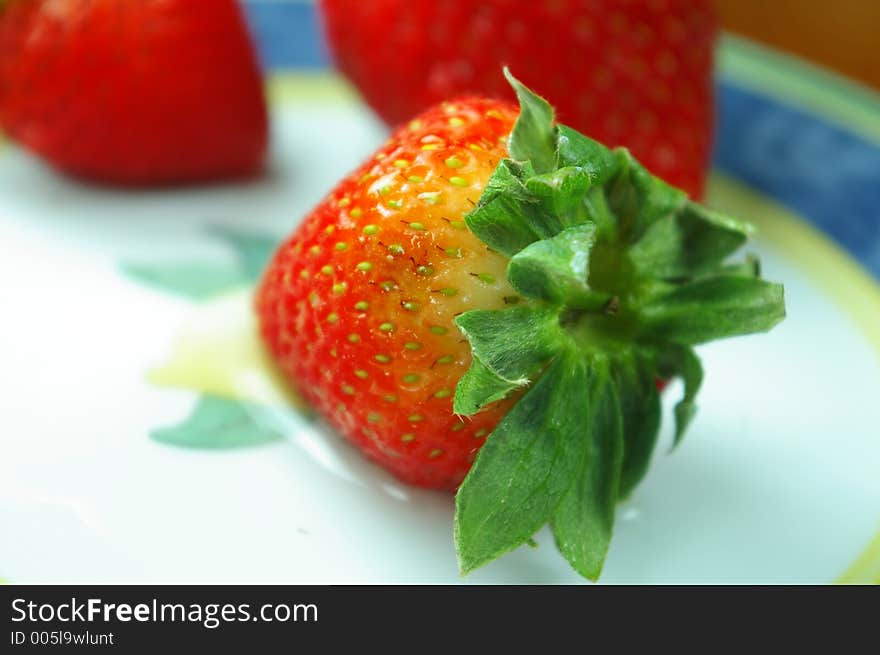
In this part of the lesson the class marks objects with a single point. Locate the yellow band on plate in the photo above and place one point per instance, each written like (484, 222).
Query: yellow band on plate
(833, 270)
(830, 267)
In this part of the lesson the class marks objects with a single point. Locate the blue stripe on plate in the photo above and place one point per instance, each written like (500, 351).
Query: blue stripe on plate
(288, 34)
(823, 173)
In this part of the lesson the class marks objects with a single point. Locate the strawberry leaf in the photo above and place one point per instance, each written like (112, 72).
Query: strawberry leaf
(688, 242)
(511, 345)
(480, 386)
(712, 308)
(555, 270)
(575, 149)
(560, 194)
(533, 138)
(634, 376)
(637, 198)
(680, 361)
(523, 472)
(583, 522)
(623, 274)
(504, 218)
(750, 267)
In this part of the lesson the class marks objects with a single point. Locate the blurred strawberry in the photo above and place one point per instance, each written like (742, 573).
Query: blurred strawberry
(636, 73)
(133, 91)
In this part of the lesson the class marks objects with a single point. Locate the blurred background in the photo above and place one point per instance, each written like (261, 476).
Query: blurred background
(291, 35)
(841, 35)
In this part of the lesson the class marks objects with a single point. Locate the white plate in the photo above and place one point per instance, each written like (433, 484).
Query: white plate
(777, 480)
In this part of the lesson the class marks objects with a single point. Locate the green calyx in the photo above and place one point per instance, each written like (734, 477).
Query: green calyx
(623, 275)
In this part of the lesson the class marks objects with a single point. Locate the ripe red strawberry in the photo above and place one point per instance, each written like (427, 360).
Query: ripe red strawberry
(133, 92)
(636, 74)
(373, 279)
(491, 278)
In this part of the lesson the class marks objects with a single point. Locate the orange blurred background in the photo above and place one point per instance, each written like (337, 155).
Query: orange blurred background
(843, 35)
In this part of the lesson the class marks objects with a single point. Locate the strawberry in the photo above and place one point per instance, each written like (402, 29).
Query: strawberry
(636, 74)
(490, 283)
(127, 92)
(374, 278)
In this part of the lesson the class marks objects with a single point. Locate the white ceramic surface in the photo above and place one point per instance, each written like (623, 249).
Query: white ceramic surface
(776, 480)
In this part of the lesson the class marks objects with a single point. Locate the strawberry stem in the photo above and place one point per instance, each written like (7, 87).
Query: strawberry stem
(622, 275)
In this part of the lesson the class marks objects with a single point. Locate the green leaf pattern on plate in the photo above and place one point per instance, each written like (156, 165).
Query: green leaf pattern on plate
(199, 280)
(220, 423)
